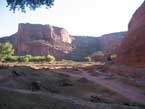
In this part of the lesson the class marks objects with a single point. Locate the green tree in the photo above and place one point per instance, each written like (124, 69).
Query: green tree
(28, 56)
(6, 49)
(50, 58)
(87, 59)
(31, 4)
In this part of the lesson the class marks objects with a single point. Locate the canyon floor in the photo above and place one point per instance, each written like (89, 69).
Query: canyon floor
(70, 85)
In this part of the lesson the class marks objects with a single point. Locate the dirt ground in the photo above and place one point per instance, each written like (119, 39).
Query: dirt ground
(69, 85)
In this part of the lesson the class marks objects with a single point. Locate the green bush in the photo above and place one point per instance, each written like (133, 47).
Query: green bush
(50, 58)
(87, 59)
(23, 59)
(29, 58)
(11, 59)
(37, 59)
(34, 59)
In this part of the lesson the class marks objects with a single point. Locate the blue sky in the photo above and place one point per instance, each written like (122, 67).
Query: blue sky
(78, 17)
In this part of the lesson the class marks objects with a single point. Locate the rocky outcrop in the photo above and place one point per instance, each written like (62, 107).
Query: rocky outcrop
(10, 39)
(83, 46)
(87, 45)
(110, 42)
(41, 40)
(37, 39)
(132, 49)
(42, 32)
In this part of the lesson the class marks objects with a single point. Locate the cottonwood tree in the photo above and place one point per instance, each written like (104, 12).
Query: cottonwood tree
(32, 4)
(6, 49)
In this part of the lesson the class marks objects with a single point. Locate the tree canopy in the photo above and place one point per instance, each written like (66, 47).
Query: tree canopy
(6, 49)
(32, 4)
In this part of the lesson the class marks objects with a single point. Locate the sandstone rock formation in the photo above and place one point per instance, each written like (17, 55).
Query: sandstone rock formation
(132, 49)
(110, 42)
(87, 45)
(36, 39)
(83, 46)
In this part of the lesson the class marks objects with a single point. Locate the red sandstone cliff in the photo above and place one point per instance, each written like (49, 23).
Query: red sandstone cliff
(36, 39)
(110, 42)
(87, 45)
(132, 49)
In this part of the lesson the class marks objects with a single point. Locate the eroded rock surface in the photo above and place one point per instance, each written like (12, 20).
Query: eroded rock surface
(41, 40)
(37, 39)
(132, 49)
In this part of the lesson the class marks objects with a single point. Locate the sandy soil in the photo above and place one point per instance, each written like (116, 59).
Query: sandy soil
(73, 85)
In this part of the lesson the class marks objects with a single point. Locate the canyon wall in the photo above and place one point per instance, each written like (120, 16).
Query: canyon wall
(111, 42)
(132, 49)
(37, 39)
(41, 40)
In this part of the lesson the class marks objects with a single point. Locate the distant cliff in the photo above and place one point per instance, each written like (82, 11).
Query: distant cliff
(83, 46)
(132, 49)
(37, 39)
(86, 45)
(111, 42)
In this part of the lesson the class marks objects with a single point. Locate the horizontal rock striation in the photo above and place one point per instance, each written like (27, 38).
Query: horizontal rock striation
(37, 39)
(41, 40)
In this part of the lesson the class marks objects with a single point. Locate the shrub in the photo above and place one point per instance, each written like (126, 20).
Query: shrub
(11, 58)
(41, 58)
(23, 59)
(37, 59)
(50, 58)
(28, 56)
(87, 59)
(33, 59)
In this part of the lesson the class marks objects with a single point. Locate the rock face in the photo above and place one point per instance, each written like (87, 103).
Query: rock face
(10, 39)
(41, 40)
(132, 49)
(87, 45)
(110, 42)
(36, 39)
(83, 46)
